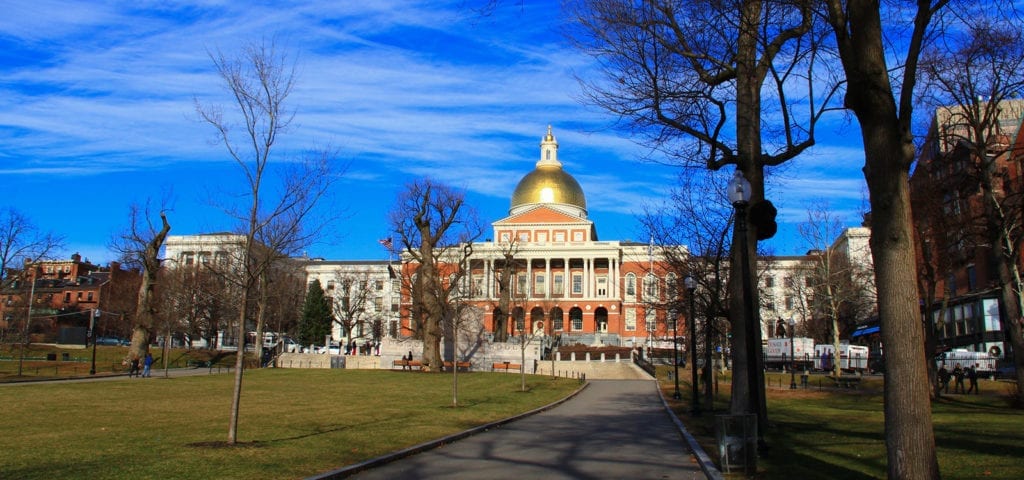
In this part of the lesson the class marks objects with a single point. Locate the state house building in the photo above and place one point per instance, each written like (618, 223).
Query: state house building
(566, 282)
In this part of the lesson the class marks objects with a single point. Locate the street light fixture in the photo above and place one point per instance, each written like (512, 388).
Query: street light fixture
(792, 359)
(691, 286)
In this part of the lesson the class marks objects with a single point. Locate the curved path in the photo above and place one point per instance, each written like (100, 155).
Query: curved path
(612, 429)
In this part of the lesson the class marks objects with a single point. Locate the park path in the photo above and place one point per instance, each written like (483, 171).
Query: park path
(613, 429)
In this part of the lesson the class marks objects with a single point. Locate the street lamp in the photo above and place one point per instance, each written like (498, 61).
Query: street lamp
(739, 192)
(691, 286)
(92, 330)
(792, 360)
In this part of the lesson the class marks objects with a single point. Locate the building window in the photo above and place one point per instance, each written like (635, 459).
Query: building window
(67, 297)
(577, 236)
(542, 237)
(478, 286)
(330, 284)
(602, 286)
(188, 259)
(972, 278)
(378, 304)
(557, 283)
(670, 287)
(378, 285)
(524, 236)
(557, 322)
(789, 302)
(809, 281)
(576, 316)
(630, 320)
(577, 283)
(79, 298)
(89, 296)
(538, 284)
(559, 236)
(769, 281)
(521, 284)
(650, 287)
(788, 282)
(650, 320)
(631, 285)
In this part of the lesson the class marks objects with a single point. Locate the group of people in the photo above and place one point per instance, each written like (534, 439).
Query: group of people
(146, 363)
(957, 375)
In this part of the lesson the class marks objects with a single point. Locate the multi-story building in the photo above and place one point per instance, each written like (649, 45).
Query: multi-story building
(956, 261)
(64, 294)
(364, 297)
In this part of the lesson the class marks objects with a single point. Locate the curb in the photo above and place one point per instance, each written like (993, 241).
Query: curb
(705, 462)
(430, 445)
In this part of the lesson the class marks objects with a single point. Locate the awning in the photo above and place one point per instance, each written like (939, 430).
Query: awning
(864, 330)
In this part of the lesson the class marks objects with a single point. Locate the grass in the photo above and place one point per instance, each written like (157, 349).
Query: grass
(823, 432)
(108, 360)
(293, 423)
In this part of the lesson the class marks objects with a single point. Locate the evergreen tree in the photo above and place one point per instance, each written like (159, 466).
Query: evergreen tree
(316, 316)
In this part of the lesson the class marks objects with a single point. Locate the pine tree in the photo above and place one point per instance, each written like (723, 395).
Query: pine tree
(316, 316)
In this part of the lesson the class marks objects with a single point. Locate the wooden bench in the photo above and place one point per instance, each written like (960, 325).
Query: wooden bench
(464, 366)
(410, 364)
(506, 366)
(846, 381)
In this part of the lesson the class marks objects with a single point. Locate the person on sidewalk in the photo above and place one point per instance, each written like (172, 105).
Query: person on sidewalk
(147, 364)
(972, 377)
(958, 374)
(134, 371)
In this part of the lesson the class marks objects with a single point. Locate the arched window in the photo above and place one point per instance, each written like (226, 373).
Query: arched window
(671, 287)
(650, 287)
(576, 319)
(557, 322)
(631, 285)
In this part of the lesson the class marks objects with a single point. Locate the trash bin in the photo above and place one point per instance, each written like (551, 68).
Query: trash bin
(52, 357)
(736, 436)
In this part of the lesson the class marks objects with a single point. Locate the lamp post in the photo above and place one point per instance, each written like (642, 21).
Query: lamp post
(739, 192)
(92, 333)
(691, 286)
(675, 353)
(792, 360)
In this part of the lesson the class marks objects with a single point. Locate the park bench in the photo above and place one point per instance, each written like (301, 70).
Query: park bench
(845, 381)
(506, 366)
(464, 366)
(410, 364)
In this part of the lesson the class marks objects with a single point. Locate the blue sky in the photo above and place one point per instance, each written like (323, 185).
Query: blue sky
(96, 112)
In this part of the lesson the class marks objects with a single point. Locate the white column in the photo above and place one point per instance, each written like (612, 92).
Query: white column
(529, 278)
(547, 277)
(568, 279)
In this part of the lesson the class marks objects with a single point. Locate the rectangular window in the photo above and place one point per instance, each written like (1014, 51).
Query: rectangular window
(67, 297)
(630, 320)
(538, 284)
(79, 296)
(521, 284)
(188, 259)
(788, 282)
(559, 236)
(378, 304)
(577, 323)
(650, 320)
(90, 296)
(330, 284)
(557, 324)
(558, 284)
(972, 278)
(769, 281)
(378, 285)
(602, 286)
(394, 307)
(577, 283)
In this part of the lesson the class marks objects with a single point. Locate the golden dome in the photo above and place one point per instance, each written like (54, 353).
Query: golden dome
(548, 184)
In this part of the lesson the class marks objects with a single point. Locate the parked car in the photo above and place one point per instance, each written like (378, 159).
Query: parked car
(111, 341)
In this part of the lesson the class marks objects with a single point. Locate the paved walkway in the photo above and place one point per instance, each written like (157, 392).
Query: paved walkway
(612, 429)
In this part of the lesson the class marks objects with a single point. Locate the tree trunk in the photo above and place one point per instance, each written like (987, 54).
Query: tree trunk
(146, 308)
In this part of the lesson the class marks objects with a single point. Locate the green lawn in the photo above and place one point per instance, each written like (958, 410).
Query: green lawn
(293, 423)
(35, 365)
(839, 433)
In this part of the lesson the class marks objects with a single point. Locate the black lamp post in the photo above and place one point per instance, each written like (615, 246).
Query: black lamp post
(739, 192)
(691, 286)
(792, 359)
(92, 329)
(675, 355)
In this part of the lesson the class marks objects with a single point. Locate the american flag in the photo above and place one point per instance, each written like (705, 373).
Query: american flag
(387, 243)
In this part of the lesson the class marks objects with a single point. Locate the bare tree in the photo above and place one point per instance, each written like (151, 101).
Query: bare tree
(22, 239)
(259, 81)
(434, 224)
(698, 80)
(352, 299)
(503, 277)
(972, 76)
(835, 287)
(692, 230)
(882, 100)
(140, 244)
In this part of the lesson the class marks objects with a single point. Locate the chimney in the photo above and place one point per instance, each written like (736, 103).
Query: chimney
(76, 257)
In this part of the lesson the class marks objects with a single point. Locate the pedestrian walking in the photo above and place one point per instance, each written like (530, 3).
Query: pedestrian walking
(958, 375)
(943, 379)
(134, 371)
(972, 377)
(147, 364)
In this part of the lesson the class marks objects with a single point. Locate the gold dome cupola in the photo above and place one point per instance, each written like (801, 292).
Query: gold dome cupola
(549, 185)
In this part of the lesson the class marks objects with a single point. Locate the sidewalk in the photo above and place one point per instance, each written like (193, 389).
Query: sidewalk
(612, 429)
